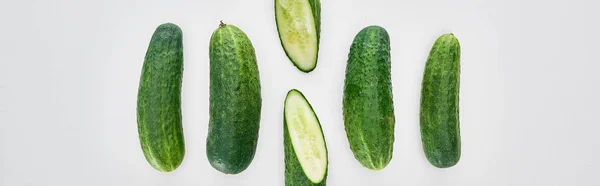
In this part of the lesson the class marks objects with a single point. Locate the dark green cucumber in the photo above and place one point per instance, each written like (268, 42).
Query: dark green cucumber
(235, 101)
(304, 143)
(440, 130)
(299, 26)
(368, 105)
(159, 100)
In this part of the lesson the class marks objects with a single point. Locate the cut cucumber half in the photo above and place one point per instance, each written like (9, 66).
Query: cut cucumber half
(305, 148)
(298, 24)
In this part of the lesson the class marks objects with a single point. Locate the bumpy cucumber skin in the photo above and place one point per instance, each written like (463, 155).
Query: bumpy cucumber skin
(235, 101)
(159, 100)
(294, 174)
(368, 103)
(439, 114)
(315, 6)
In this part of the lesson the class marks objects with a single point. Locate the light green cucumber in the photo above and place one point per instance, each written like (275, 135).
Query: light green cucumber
(440, 129)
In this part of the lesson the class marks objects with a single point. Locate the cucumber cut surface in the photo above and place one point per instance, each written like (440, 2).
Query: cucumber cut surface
(297, 24)
(306, 137)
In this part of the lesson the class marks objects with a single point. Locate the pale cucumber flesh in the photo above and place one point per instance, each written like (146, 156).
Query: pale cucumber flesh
(297, 31)
(306, 136)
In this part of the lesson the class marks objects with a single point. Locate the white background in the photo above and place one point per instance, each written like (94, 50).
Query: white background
(69, 74)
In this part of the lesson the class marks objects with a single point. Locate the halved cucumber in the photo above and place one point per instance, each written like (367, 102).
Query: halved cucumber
(298, 24)
(305, 148)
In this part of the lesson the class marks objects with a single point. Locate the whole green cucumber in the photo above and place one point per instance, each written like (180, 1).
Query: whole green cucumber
(368, 106)
(235, 101)
(159, 100)
(440, 130)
